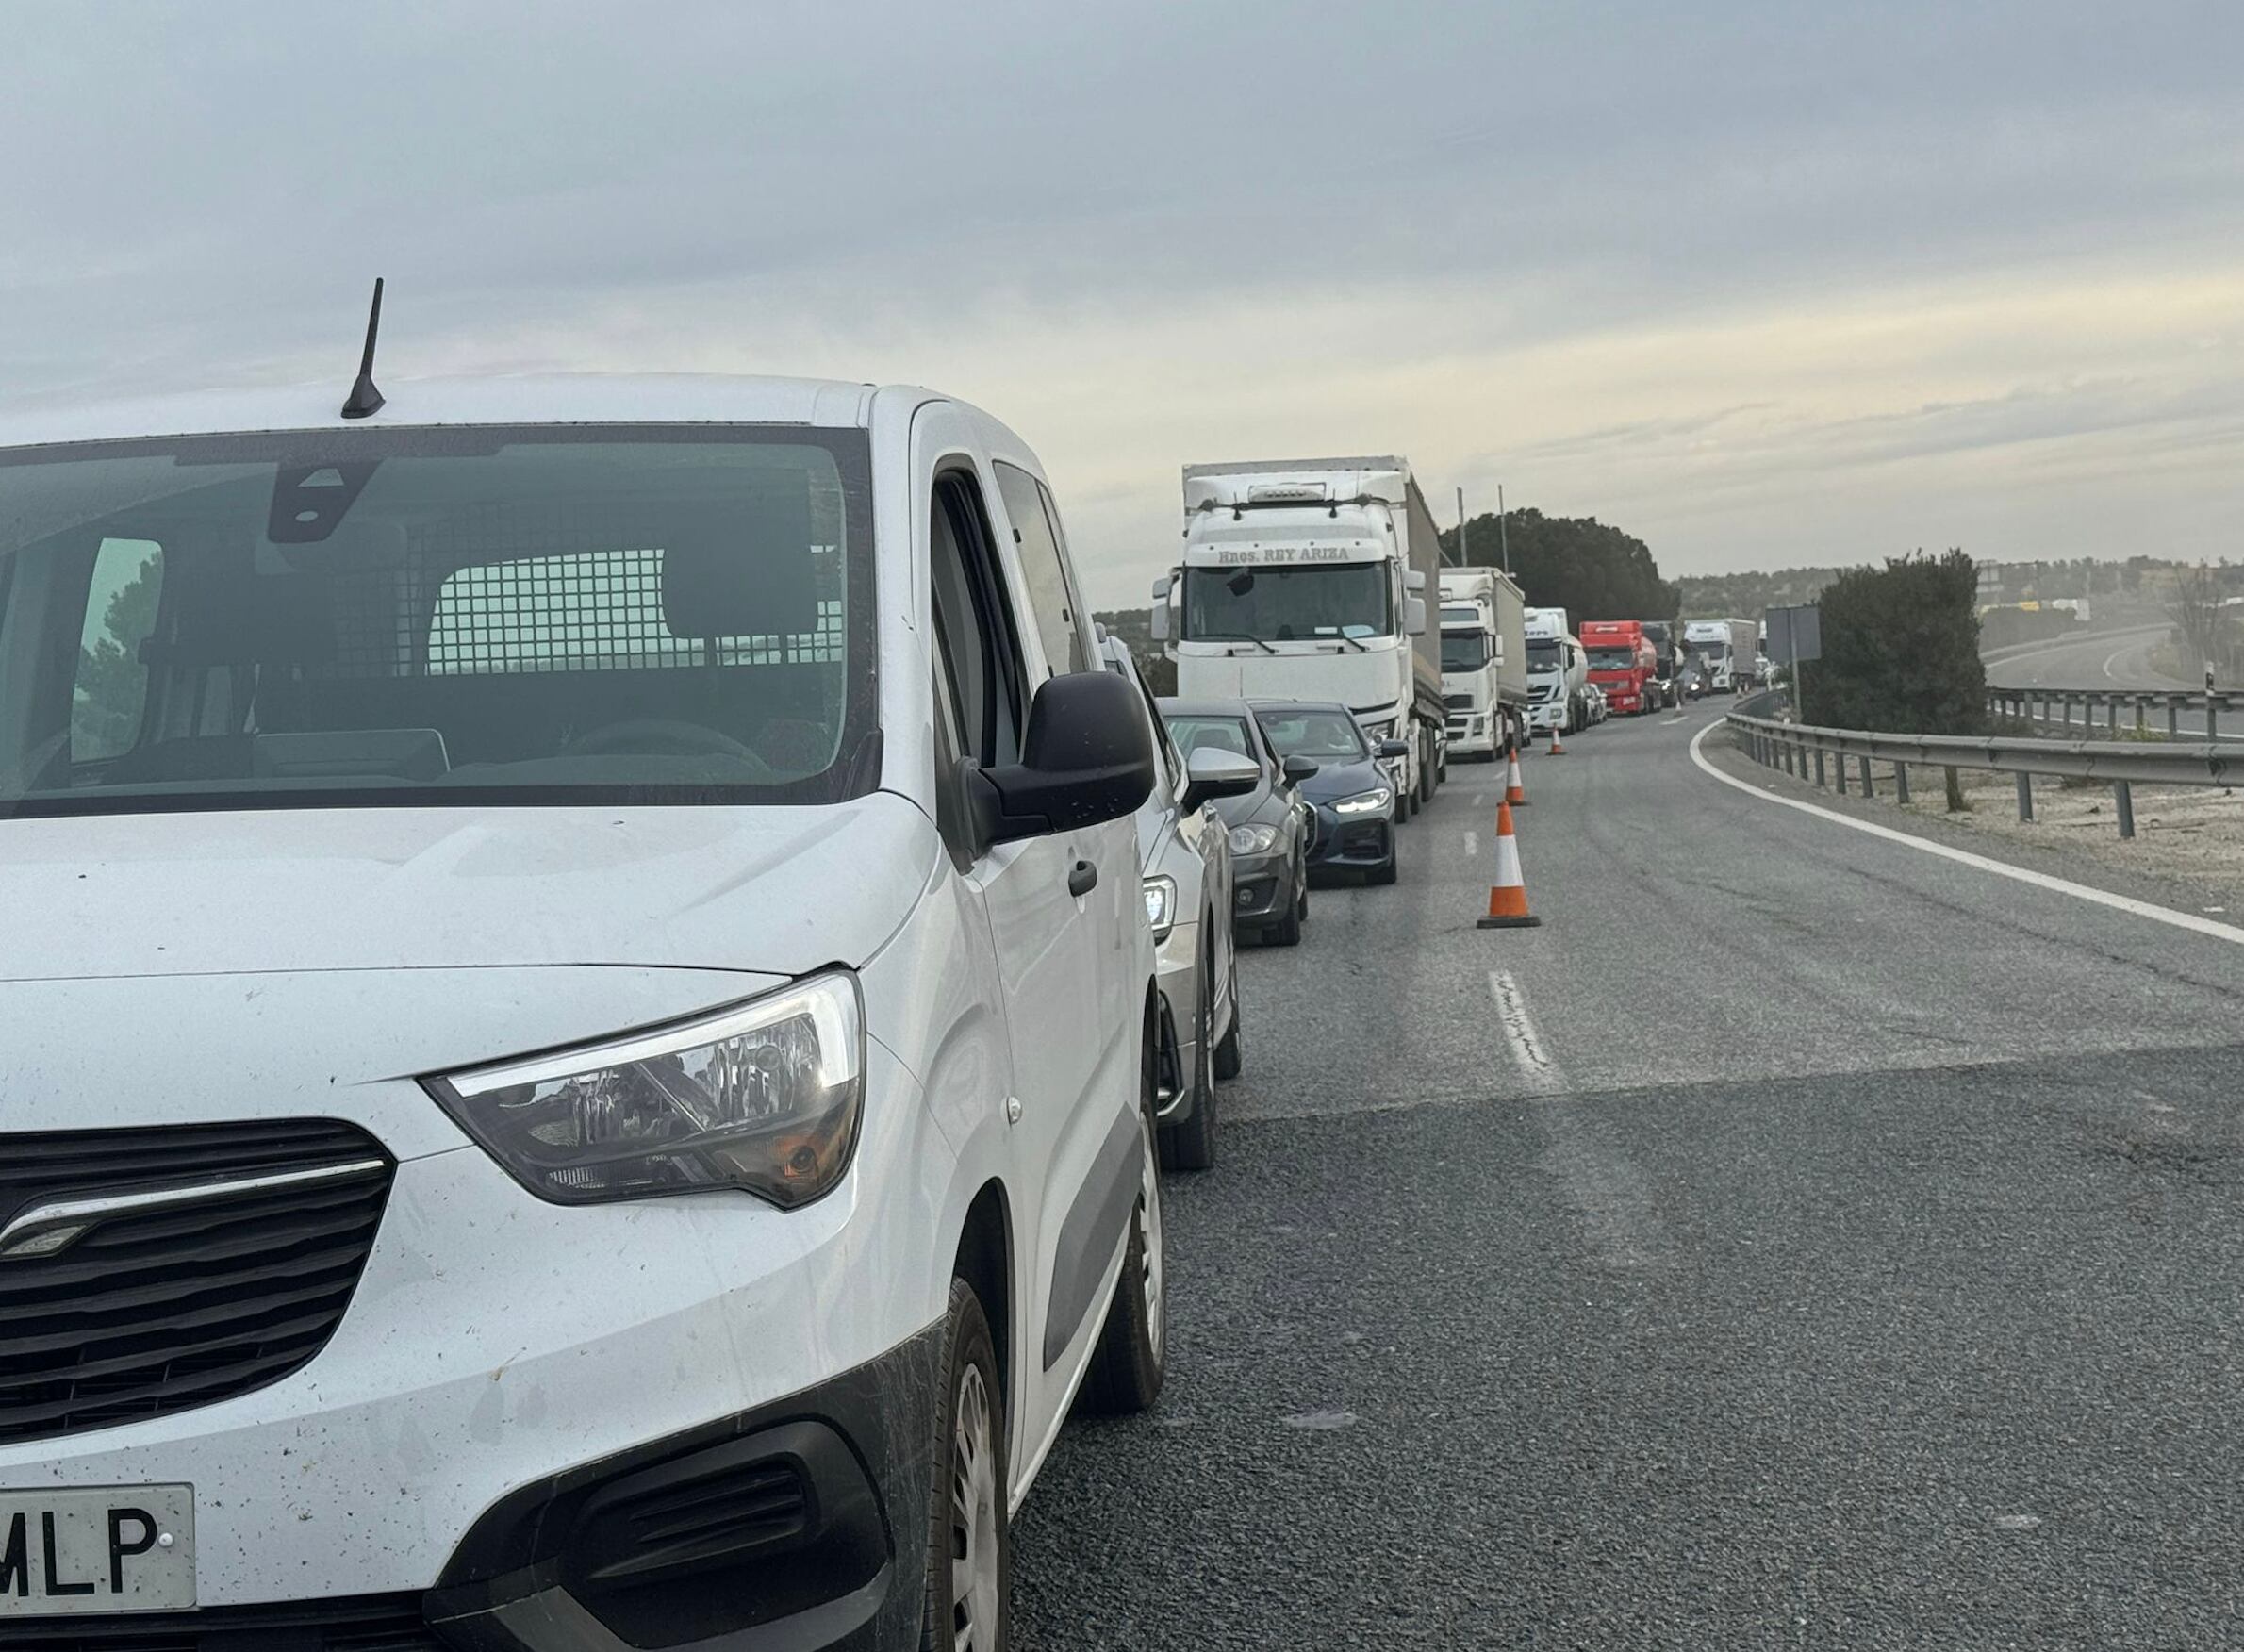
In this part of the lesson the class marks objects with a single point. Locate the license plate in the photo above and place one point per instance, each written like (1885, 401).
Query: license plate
(97, 1549)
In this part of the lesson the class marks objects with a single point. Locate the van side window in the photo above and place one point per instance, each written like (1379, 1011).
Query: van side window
(1051, 594)
(976, 642)
(110, 690)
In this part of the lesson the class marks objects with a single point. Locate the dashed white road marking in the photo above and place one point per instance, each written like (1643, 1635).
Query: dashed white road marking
(1605, 1191)
(1480, 799)
(2167, 915)
(1520, 1032)
(1472, 842)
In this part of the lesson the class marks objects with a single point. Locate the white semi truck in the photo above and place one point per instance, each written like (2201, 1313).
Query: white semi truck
(1725, 649)
(1558, 673)
(1484, 660)
(1307, 579)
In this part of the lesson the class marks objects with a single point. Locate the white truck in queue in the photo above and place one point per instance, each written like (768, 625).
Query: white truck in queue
(1484, 659)
(1558, 673)
(1725, 649)
(1307, 579)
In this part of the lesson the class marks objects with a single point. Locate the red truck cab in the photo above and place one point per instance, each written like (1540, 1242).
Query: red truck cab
(1623, 662)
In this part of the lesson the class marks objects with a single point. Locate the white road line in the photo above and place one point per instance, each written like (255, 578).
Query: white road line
(2188, 920)
(1480, 799)
(1472, 842)
(1520, 1034)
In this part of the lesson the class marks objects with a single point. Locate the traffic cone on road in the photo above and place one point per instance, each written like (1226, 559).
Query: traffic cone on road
(1508, 895)
(1515, 791)
(1557, 749)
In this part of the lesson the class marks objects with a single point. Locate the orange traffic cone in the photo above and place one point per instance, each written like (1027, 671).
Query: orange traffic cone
(1557, 749)
(1515, 791)
(1508, 896)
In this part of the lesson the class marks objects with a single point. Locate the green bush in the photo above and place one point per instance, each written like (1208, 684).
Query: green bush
(1901, 649)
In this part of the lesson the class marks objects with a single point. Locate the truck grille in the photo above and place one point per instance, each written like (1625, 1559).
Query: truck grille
(184, 1304)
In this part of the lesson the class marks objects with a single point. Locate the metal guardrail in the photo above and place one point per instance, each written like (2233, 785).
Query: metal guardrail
(1798, 749)
(2058, 705)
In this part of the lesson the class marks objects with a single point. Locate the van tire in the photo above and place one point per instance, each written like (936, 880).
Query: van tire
(1128, 1365)
(969, 1364)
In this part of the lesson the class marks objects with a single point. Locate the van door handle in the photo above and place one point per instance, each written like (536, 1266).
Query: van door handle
(1082, 878)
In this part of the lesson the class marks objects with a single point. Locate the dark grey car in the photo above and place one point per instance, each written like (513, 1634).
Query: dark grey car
(1270, 827)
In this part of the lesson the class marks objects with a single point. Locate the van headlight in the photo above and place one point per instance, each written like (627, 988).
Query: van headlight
(763, 1098)
(1365, 802)
(1160, 905)
(1253, 839)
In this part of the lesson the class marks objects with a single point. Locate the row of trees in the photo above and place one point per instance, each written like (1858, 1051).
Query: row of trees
(1591, 569)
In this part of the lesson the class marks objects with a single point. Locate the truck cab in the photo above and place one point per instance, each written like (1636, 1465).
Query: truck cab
(1307, 579)
(1484, 682)
(1558, 673)
(1623, 663)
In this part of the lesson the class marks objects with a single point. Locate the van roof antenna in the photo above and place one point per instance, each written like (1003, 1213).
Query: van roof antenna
(365, 400)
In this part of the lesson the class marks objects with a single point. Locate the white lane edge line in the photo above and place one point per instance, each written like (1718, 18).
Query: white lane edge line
(2188, 920)
(1519, 1028)
(1472, 841)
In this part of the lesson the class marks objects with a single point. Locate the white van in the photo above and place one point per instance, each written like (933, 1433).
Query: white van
(577, 1050)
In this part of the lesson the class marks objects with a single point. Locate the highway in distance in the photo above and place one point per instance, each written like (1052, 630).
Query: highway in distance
(1799, 1240)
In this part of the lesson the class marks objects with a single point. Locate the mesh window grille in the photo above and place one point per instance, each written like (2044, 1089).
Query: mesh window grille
(533, 602)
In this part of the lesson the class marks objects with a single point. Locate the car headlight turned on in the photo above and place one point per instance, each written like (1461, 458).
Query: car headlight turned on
(1253, 839)
(763, 1098)
(1160, 905)
(1368, 802)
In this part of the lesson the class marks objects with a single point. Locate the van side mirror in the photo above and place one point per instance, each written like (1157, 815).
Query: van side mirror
(1415, 615)
(1414, 580)
(1213, 772)
(1087, 757)
(1297, 770)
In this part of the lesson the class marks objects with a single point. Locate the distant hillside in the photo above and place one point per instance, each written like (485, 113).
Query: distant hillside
(1743, 596)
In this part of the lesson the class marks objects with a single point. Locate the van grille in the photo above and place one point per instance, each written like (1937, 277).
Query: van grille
(159, 1310)
(364, 1623)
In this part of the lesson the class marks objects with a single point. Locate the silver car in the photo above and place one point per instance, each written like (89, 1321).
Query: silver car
(1185, 855)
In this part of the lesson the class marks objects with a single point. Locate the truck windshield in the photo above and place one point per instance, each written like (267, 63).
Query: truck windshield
(1463, 650)
(1542, 653)
(1326, 736)
(425, 617)
(1612, 659)
(1287, 604)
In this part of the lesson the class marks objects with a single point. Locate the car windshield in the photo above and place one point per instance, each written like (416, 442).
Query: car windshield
(1463, 650)
(1326, 736)
(434, 618)
(1212, 734)
(1612, 659)
(1287, 604)
(1544, 653)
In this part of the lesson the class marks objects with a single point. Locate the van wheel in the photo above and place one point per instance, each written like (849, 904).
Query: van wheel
(970, 1556)
(1127, 1366)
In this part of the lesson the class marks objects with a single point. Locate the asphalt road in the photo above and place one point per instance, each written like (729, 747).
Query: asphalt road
(1799, 1240)
(2108, 661)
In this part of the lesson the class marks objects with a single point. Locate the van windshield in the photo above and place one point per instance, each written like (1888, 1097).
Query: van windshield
(542, 615)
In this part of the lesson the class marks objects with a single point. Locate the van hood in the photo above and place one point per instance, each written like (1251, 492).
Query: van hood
(776, 890)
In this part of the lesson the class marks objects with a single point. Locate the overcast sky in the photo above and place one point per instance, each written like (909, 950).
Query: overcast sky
(1763, 283)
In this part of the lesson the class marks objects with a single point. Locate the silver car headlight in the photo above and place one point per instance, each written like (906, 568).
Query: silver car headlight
(1160, 905)
(1253, 839)
(1365, 802)
(763, 1098)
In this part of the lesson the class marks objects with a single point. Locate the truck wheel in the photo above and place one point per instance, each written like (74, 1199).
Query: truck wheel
(1131, 1362)
(969, 1550)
